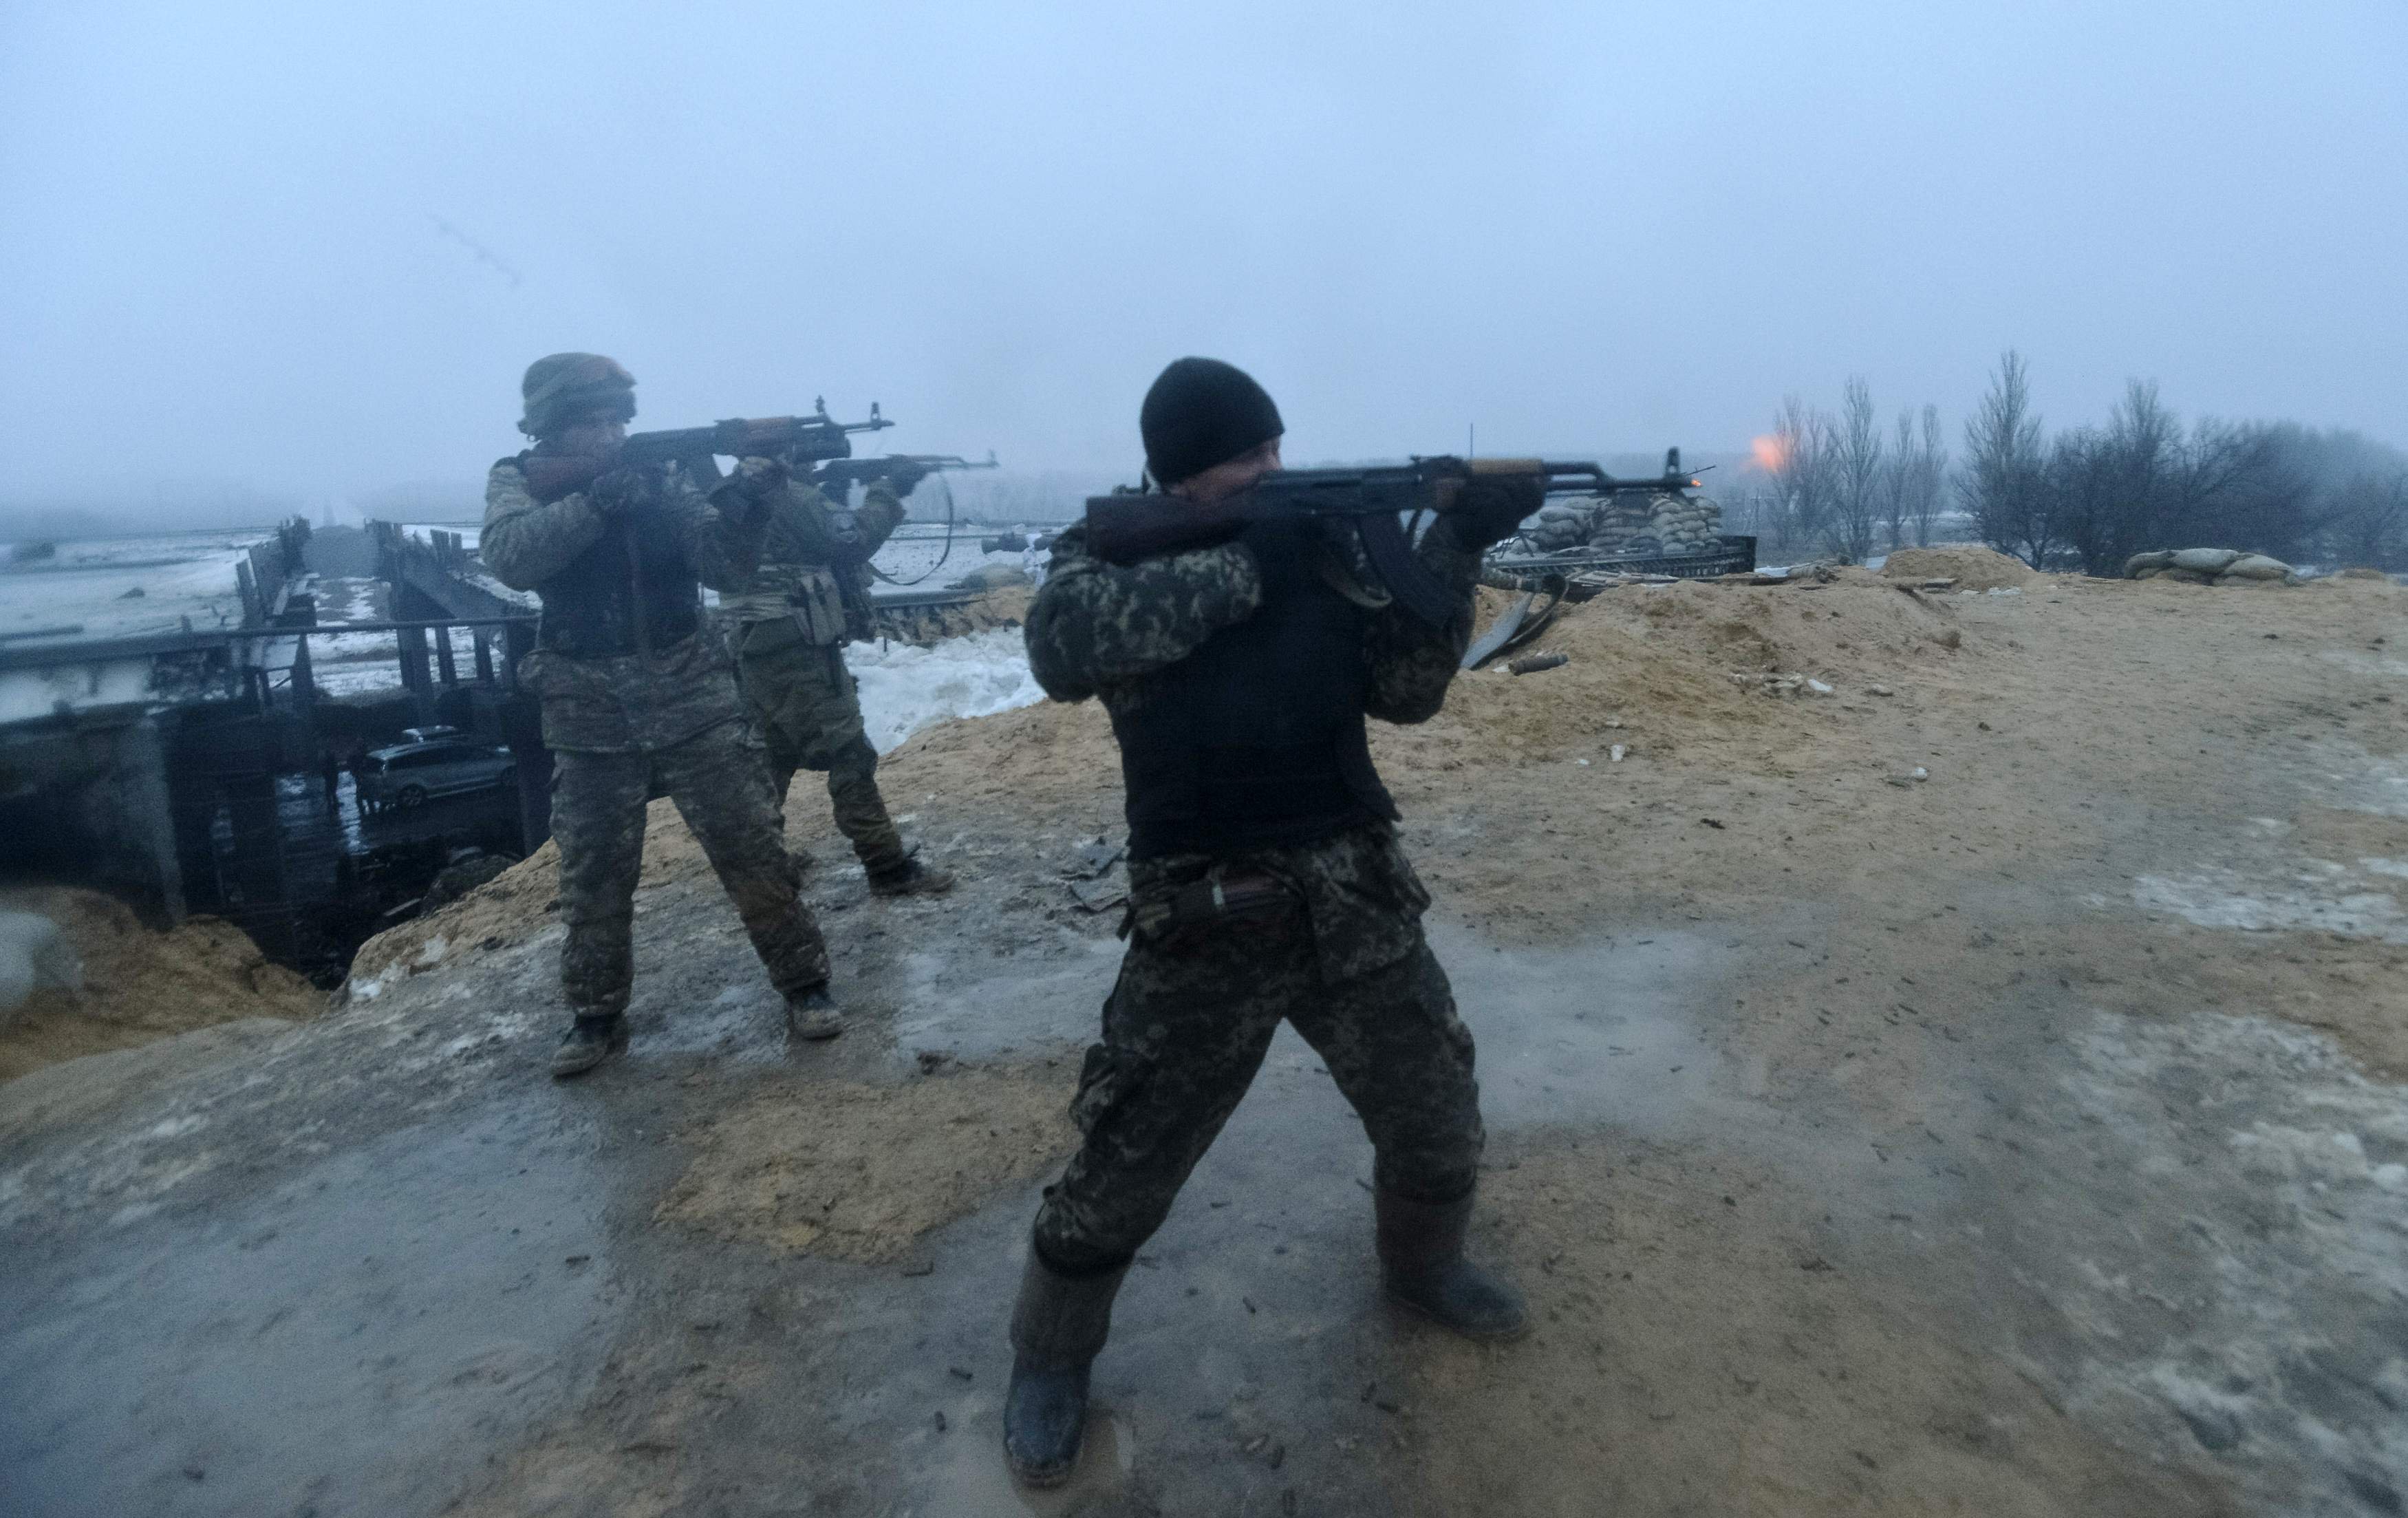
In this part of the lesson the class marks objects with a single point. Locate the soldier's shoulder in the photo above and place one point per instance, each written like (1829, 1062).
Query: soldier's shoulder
(510, 465)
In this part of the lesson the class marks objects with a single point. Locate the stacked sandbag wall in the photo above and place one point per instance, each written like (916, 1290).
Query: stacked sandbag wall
(2210, 567)
(1630, 523)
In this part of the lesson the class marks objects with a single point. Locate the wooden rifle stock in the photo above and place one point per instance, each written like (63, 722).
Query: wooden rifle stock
(1126, 528)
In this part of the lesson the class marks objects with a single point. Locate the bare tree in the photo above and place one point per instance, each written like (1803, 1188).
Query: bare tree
(2116, 490)
(2248, 485)
(1894, 485)
(1856, 441)
(1801, 470)
(1926, 477)
(2370, 520)
(1912, 473)
(2004, 484)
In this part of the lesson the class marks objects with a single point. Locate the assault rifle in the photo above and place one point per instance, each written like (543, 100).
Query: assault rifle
(842, 474)
(795, 438)
(1124, 528)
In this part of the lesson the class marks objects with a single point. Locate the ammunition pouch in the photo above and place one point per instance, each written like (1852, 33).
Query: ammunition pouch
(1223, 901)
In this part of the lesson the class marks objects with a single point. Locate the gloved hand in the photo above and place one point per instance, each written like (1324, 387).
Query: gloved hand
(904, 477)
(1490, 506)
(758, 478)
(617, 490)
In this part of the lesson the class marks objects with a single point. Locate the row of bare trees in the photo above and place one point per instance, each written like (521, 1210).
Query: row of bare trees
(2091, 497)
(1841, 484)
(2088, 497)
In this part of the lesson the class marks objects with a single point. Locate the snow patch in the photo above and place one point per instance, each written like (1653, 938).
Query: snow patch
(2324, 898)
(904, 689)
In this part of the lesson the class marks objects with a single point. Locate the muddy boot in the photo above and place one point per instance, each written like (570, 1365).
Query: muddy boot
(1058, 1327)
(593, 1037)
(1422, 1265)
(812, 1014)
(910, 879)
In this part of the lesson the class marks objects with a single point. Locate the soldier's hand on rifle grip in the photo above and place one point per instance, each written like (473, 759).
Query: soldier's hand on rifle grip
(758, 478)
(904, 477)
(616, 490)
(1491, 505)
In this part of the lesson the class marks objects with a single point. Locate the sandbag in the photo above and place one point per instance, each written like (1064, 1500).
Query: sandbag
(2162, 558)
(2206, 561)
(992, 576)
(2258, 566)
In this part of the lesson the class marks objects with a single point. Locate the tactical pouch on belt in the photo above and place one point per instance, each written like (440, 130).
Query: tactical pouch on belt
(1218, 903)
(819, 608)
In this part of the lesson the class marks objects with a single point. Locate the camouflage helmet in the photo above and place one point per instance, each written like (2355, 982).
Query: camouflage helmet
(566, 387)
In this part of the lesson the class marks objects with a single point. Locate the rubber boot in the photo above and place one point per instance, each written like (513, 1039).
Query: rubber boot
(593, 1037)
(1422, 1265)
(812, 1014)
(911, 879)
(1058, 1327)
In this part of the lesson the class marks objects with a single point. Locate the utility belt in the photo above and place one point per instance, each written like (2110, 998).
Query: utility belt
(815, 603)
(1224, 901)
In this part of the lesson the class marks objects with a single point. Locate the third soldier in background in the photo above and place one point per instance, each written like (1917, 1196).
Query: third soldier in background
(1264, 884)
(788, 627)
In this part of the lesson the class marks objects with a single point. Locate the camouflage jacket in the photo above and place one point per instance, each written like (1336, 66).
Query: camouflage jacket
(638, 702)
(815, 562)
(1097, 628)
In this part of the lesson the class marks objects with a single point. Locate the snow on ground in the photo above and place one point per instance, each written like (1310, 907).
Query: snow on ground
(89, 584)
(904, 689)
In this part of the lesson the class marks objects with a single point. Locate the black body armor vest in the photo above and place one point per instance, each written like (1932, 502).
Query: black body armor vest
(1257, 738)
(632, 591)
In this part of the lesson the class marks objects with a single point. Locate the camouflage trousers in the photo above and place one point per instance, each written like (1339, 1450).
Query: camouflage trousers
(802, 699)
(722, 790)
(1186, 1028)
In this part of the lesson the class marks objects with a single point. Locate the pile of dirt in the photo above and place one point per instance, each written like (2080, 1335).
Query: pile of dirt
(139, 984)
(1650, 668)
(1005, 605)
(1973, 568)
(875, 1167)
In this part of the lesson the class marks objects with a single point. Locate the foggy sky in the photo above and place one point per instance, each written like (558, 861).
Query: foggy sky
(1607, 227)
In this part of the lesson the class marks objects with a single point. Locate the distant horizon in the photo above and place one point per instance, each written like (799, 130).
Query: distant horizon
(310, 253)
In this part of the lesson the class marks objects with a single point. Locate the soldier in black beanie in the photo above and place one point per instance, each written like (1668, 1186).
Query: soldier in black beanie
(1266, 884)
(1201, 413)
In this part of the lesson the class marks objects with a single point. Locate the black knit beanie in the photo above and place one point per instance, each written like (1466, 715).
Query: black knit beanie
(1201, 412)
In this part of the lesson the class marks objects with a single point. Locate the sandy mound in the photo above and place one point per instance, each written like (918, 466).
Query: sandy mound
(1669, 670)
(1971, 567)
(138, 984)
(873, 1167)
(505, 909)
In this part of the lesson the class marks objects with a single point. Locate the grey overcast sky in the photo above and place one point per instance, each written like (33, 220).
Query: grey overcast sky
(223, 253)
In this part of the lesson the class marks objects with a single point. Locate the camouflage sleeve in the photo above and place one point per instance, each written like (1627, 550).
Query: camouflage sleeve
(1412, 662)
(796, 527)
(1095, 623)
(800, 530)
(721, 531)
(525, 543)
(881, 511)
